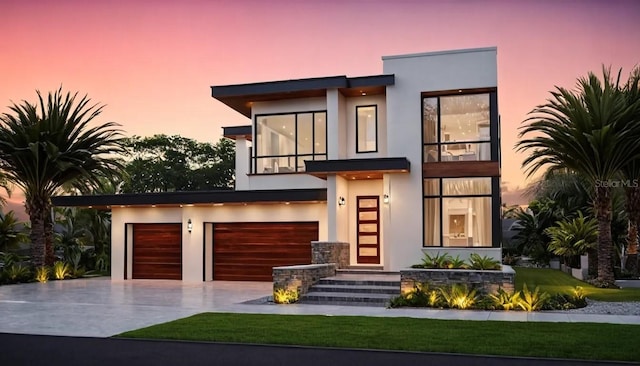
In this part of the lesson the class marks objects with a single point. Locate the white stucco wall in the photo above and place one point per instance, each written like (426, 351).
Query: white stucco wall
(288, 106)
(242, 164)
(192, 243)
(414, 74)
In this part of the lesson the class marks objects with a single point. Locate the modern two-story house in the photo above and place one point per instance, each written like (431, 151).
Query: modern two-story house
(395, 165)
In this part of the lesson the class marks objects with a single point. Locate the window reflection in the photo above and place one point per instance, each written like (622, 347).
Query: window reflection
(285, 141)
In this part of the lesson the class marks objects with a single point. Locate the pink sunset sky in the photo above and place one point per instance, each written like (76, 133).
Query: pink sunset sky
(153, 62)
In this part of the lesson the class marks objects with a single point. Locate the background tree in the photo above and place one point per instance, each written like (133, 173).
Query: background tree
(46, 145)
(532, 239)
(589, 131)
(11, 231)
(164, 163)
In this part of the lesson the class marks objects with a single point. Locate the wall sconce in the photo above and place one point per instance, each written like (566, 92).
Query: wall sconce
(189, 226)
(342, 201)
(385, 199)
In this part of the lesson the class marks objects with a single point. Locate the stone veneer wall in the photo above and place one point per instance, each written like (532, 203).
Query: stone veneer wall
(301, 277)
(330, 252)
(486, 282)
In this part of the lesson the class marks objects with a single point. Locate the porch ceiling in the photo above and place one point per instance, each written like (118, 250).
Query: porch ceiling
(353, 169)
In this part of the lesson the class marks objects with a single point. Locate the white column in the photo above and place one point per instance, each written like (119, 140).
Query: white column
(192, 245)
(242, 164)
(333, 124)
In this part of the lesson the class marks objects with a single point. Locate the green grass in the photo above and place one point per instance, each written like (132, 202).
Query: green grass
(533, 339)
(554, 281)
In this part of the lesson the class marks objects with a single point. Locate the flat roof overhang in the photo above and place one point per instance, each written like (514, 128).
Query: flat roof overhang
(235, 132)
(195, 198)
(352, 169)
(240, 97)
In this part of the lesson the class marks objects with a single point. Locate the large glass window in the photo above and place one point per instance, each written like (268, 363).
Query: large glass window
(456, 127)
(457, 212)
(285, 141)
(367, 129)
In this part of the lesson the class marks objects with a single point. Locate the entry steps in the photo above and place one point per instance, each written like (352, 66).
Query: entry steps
(355, 287)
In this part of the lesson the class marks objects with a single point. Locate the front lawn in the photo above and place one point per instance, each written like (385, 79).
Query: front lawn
(528, 339)
(554, 281)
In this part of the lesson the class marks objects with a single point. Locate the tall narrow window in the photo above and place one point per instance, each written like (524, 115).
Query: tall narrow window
(367, 128)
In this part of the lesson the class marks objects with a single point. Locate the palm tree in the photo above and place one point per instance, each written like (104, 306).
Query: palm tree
(631, 176)
(588, 131)
(53, 143)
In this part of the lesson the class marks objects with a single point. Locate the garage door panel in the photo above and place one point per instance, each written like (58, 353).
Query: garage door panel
(238, 260)
(157, 251)
(248, 251)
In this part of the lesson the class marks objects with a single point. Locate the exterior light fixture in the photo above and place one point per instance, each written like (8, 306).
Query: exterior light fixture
(342, 201)
(189, 226)
(385, 199)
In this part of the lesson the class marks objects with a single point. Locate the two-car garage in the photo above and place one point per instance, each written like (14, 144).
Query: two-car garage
(242, 251)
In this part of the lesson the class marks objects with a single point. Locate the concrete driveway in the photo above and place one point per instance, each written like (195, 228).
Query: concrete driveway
(100, 308)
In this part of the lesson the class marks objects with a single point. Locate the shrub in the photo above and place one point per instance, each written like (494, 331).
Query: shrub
(8, 258)
(61, 270)
(532, 301)
(436, 261)
(579, 298)
(459, 296)
(505, 300)
(483, 263)
(457, 263)
(42, 274)
(16, 273)
(566, 301)
(510, 260)
(418, 296)
(558, 302)
(285, 296)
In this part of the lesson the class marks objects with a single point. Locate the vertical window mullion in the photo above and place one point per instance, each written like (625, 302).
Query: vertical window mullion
(440, 190)
(438, 140)
(295, 141)
(313, 136)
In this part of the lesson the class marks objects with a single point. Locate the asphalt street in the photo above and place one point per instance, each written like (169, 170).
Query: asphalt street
(21, 349)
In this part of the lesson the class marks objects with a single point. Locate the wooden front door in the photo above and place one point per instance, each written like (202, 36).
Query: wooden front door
(368, 231)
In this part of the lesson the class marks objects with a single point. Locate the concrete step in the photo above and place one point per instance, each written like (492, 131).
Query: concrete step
(341, 281)
(361, 289)
(346, 298)
(365, 270)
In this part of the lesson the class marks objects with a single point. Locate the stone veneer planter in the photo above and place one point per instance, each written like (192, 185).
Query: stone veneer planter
(330, 252)
(326, 258)
(301, 277)
(486, 282)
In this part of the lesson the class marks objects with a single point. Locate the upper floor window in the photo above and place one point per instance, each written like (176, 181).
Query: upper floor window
(367, 129)
(456, 127)
(284, 141)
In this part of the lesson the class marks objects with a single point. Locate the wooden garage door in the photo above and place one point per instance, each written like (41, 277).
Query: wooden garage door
(157, 251)
(247, 251)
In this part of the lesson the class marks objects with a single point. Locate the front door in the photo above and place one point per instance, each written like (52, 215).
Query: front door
(368, 231)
